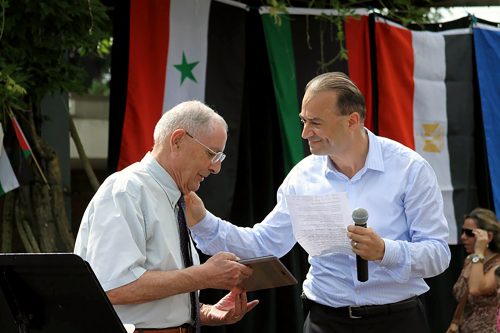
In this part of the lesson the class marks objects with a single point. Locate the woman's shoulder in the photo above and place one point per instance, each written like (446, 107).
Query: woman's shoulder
(492, 262)
(495, 258)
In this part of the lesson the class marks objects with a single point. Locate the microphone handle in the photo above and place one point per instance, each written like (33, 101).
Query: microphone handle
(362, 268)
(361, 264)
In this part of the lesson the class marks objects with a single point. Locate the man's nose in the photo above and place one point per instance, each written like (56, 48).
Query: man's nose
(215, 168)
(306, 131)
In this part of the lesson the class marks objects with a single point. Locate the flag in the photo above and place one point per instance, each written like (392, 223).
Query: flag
(487, 51)
(8, 180)
(25, 146)
(302, 44)
(23, 142)
(180, 50)
(426, 101)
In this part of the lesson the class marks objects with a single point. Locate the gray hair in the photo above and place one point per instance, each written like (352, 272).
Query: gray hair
(193, 116)
(349, 97)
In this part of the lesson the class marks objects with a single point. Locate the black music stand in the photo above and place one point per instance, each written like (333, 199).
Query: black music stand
(53, 293)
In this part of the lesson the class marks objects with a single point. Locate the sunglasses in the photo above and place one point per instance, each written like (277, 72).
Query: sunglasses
(468, 232)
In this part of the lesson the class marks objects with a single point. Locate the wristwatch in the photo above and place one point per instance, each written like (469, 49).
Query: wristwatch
(475, 258)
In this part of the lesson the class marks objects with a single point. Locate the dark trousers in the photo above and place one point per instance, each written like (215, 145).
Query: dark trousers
(322, 319)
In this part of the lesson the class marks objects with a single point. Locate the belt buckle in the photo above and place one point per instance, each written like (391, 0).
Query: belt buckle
(351, 315)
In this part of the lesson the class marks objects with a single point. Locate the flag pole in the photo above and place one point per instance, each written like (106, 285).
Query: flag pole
(40, 170)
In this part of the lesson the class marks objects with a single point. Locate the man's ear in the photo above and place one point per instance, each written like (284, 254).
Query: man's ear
(176, 138)
(354, 119)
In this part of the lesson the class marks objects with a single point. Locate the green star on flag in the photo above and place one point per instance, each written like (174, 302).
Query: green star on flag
(186, 69)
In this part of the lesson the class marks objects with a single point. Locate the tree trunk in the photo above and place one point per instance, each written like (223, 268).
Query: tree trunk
(36, 211)
(7, 222)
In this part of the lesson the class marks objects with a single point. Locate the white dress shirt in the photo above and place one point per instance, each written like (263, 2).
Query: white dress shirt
(131, 227)
(399, 190)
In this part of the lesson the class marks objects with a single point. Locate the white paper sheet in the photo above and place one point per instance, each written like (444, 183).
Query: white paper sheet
(320, 222)
(130, 328)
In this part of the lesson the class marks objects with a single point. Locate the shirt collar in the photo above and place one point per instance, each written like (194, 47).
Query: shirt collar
(375, 159)
(162, 177)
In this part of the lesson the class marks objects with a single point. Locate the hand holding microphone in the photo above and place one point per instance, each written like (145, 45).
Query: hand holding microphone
(366, 243)
(360, 216)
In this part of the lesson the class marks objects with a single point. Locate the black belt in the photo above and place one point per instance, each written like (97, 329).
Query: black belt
(179, 329)
(356, 312)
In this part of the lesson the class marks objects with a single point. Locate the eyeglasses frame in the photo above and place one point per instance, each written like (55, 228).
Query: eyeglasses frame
(217, 156)
(468, 232)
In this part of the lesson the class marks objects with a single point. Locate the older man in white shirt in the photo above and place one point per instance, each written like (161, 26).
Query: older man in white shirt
(133, 229)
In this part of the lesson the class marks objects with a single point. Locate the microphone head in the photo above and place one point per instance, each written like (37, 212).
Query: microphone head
(360, 216)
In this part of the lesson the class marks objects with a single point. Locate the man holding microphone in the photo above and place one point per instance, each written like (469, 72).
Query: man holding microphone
(404, 243)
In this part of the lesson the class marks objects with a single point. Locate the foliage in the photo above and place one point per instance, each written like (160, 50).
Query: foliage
(404, 11)
(12, 91)
(42, 42)
(400, 10)
(100, 83)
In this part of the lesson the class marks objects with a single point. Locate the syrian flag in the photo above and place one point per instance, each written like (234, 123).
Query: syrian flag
(487, 50)
(178, 50)
(8, 180)
(426, 101)
(302, 44)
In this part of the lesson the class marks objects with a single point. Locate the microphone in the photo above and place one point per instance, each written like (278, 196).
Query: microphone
(360, 216)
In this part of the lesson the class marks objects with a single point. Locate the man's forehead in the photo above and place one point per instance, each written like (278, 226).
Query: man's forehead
(312, 111)
(318, 104)
(308, 116)
(216, 140)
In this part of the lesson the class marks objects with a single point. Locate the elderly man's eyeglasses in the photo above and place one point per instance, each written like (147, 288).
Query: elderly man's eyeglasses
(216, 156)
(468, 232)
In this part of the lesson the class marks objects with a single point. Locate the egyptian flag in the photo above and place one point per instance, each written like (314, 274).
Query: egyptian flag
(426, 101)
(487, 51)
(177, 50)
(302, 44)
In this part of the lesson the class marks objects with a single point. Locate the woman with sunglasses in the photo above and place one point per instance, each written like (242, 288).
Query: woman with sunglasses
(476, 287)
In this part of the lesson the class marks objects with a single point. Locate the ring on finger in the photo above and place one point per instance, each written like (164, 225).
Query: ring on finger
(355, 244)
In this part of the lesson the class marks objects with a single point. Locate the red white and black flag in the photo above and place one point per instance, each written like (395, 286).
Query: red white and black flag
(426, 101)
(177, 50)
